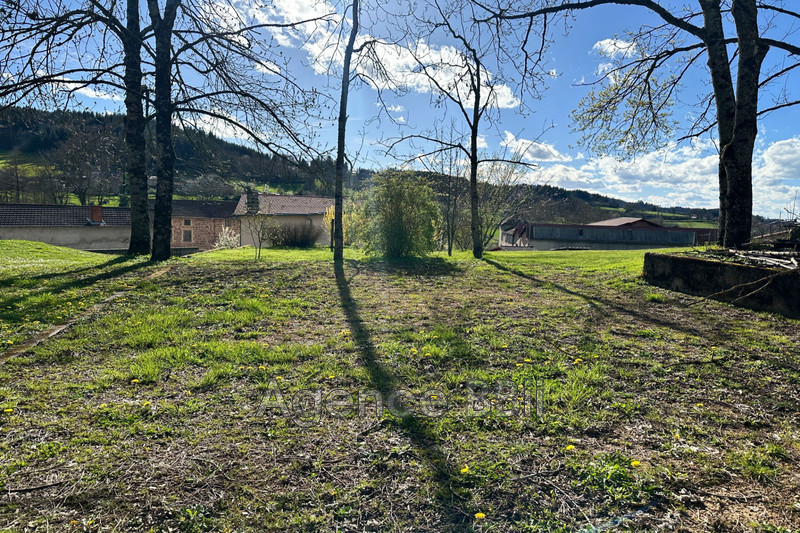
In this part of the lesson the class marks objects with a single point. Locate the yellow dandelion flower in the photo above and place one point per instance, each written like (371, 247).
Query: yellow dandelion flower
(262, 367)
(677, 435)
(519, 364)
(427, 354)
(570, 448)
(480, 516)
(465, 469)
(635, 463)
(413, 351)
(9, 410)
(504, 346)
(699, 405)
(134, 381)
(331, 376)
(577, 361)
(434, 397)
(527, 360)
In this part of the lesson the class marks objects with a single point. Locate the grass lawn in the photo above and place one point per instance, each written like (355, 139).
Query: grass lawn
(530, 391)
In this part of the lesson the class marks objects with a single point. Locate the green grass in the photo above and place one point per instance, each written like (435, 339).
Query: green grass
(44, 285)
(548, 391)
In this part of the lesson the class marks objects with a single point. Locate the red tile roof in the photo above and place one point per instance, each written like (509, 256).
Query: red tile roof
(281, 204)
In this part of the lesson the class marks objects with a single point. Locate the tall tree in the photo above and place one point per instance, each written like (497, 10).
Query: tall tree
(338, 232)
(41, 56)
(459, 75)
(631, 109)
(135, 189)
(163, 24)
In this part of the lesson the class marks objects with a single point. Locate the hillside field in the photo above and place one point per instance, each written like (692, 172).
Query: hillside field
(529, 391)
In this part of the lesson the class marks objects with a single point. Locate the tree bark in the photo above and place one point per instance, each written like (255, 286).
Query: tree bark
(722, 82)
(737, 155)
(338, 233)
(162, 221)
(475, 221)
(136, 170)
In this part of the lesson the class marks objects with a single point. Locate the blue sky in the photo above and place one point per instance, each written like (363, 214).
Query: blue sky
(681, 174)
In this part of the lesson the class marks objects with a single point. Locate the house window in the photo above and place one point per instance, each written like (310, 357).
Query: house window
(187, 235)
(227, 223)
(187, 222)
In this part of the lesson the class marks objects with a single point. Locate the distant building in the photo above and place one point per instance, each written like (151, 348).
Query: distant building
(623, 233)
(196, 224)
(287, 210)
(73, 226)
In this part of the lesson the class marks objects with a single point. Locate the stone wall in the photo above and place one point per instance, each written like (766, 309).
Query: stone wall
(204, 231)
(759, 288)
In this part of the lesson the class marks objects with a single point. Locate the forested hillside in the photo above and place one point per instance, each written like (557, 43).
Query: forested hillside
(78, 157)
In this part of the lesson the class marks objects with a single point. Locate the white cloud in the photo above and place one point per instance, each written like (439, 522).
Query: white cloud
(267, 67)
(394, 108)
(96, 94)
(532, 150)
(482, 144)
(614, 48)
(218, 126)
(325, 49)
(683, 175)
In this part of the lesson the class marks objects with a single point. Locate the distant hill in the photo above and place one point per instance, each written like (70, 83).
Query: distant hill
(203, 160)
(210, 167)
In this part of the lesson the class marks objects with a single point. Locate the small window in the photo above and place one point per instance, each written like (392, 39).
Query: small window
(227, 223)
(187, 222)
(187, 235)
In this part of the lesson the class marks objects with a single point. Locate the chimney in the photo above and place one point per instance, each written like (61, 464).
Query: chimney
(252, 201)
(96, 214)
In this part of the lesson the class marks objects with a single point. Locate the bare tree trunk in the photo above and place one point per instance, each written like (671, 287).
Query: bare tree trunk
(721, 80)
(338, 233)
(737, 156)
(475, 222)
(162, 221)
(134, 133)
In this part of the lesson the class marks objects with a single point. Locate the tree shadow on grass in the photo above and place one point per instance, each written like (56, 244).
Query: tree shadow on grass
(450, 497)
(14, 309)
(54, 275)
(599, 304)
(413, 266)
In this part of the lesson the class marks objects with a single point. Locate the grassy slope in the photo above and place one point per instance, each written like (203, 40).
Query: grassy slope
(161, 411)
(42, 285)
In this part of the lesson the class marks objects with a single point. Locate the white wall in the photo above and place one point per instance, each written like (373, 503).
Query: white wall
(286, 220)
(79, 237)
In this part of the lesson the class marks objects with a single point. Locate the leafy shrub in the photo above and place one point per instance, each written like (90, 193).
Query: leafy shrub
(298, 235)
(402, 217)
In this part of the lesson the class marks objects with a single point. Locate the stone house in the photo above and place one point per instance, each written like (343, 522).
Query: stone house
(287, 210)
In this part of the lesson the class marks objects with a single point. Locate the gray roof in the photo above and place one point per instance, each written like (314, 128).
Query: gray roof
(281, 204)
(59, 215)
(201, 208)
(624, 221)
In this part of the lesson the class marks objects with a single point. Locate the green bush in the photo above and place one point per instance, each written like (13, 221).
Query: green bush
(298, 235)
(402, 217)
